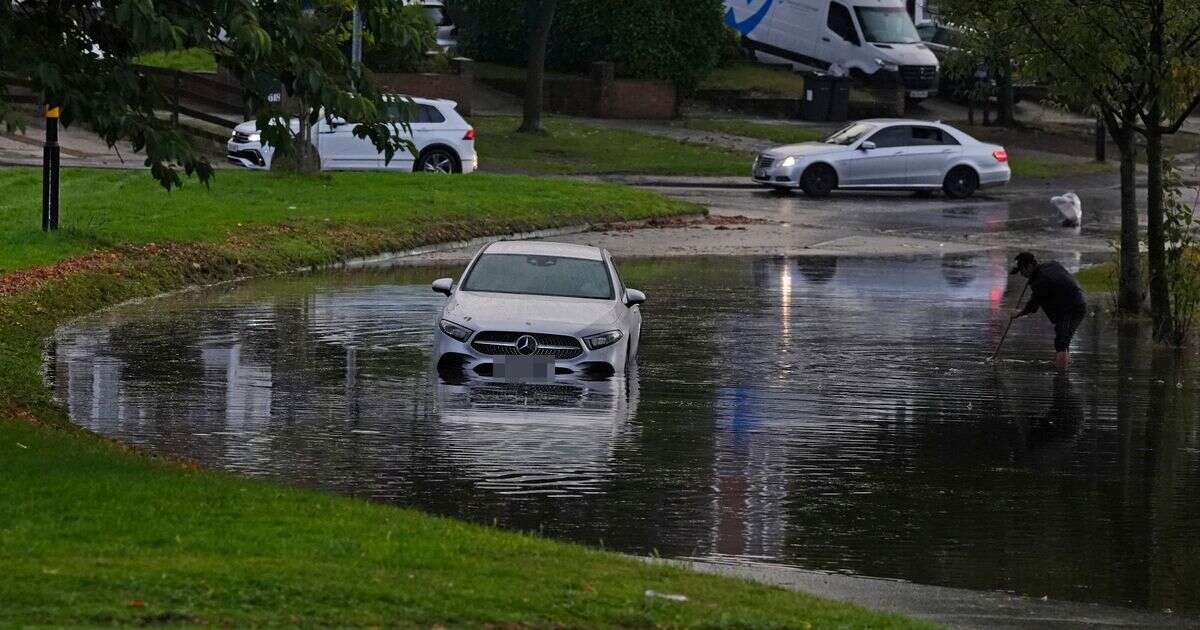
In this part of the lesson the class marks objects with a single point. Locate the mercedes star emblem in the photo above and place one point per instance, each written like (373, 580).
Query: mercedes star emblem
(526, 345)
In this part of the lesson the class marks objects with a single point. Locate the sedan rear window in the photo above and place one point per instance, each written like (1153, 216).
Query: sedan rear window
(557, 276)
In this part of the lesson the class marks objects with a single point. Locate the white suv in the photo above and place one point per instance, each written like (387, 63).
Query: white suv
(444, 141)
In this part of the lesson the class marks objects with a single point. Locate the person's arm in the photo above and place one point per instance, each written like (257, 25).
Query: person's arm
(1031, 307)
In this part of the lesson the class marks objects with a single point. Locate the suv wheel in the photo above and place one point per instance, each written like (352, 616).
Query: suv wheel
(437, 161)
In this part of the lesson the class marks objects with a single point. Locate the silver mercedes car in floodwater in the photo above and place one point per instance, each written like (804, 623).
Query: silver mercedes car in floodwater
(887, 154)
(535, 311)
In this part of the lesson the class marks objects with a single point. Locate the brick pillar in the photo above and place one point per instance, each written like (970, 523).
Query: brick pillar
(603, 75)
(465, 70)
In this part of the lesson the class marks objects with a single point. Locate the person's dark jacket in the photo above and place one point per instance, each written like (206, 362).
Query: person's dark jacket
(1056, 292)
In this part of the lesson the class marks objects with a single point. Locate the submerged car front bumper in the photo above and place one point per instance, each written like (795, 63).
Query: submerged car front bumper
(478, 357)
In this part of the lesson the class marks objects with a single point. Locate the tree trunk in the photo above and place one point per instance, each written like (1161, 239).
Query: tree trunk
(1005, 98)
(1160, 295)
(541, 12)
(1130, 296)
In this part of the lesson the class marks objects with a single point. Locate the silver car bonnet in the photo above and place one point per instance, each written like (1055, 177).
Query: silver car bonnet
(803, 149)
(480, 310)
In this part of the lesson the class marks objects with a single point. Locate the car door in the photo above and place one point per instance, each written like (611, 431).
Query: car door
(426, 126)
(885, 164)
(840, 39)
(398, 111)
(340, 149)
(932, 152)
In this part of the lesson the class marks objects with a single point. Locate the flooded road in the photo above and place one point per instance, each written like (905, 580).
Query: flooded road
(827, 413)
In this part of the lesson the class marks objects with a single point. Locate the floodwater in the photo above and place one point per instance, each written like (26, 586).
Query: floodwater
(831, 414)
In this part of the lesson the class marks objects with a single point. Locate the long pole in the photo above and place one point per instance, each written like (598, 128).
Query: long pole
(356, 38)
(996, 352)
(50, 172)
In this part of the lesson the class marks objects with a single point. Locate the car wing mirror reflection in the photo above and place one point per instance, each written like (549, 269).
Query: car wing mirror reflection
(443, 285)
(633, 297)
(867, 145)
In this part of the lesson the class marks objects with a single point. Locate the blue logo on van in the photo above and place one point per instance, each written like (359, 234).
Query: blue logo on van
(750, 22)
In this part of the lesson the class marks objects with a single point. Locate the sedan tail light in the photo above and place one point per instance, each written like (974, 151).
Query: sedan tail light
(470, 135)
(1001, 155)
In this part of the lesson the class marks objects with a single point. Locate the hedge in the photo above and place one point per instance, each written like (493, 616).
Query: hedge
(674, 40)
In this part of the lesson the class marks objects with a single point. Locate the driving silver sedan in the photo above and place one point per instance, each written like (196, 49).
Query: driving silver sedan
(887, 154)
(535, 311)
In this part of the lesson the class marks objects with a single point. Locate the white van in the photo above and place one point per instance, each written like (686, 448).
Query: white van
(874, 39)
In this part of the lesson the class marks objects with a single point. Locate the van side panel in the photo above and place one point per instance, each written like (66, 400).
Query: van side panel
(787, 30)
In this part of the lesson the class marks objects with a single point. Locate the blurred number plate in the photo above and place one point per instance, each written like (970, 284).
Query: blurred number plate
(919, 94)
(760, 173)
(524, 369)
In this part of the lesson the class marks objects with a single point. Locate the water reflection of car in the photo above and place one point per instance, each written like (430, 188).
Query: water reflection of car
(886, 154)
(538, 310)
(553, 439)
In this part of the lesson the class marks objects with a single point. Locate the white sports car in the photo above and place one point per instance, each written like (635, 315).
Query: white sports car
(534, 310)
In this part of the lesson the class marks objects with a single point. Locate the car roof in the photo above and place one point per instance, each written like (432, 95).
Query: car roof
(899, 121)
(420, 100)
(545, 248)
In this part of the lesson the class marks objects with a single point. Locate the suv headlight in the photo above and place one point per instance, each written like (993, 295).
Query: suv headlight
(254, 137)
(454, 331)
(595, 342)
(788, 162)
(887, 65)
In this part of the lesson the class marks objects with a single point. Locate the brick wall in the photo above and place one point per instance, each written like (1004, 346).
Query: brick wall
(456, 87)
(601, 95)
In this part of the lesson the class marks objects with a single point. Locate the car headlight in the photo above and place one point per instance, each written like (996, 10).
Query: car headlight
(595, 342)
(254, 137)
(455, 331)
(887, 65)
(788, 162)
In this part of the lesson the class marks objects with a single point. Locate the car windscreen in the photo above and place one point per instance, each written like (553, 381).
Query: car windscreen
(887, 25)
(849, 135)
(526, 274)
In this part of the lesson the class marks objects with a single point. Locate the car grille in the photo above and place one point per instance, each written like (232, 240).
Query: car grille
(241, 138)
(918, 77)
(764, 161)
(505, 343)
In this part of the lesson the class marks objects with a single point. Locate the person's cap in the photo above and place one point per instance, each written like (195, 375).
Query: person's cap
(1024, 258)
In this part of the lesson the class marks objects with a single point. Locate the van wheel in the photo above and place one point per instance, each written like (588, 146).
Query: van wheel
(438, 160)
(961, 182)
(818, 180)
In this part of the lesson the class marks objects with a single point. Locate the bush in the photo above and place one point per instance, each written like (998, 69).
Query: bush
(406, 52)
(673, 40)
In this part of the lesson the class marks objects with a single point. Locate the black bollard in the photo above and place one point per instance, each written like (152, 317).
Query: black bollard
(50, 172)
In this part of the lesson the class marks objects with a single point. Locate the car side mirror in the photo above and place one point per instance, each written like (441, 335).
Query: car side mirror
(633, 297)
(443, 286)
(866, 146)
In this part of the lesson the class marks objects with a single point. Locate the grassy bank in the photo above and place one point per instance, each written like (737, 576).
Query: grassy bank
(781, 133)
(187, 60)
(575, 147)
(92, 533)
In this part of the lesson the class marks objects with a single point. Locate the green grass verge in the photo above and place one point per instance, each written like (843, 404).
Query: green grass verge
(1100, 278)
(575, 147)
(109, 208)
(755, 78)
(92, 533)
(782, 133)
(188, 60)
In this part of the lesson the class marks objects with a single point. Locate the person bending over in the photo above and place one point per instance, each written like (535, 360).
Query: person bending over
(1055, 292)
